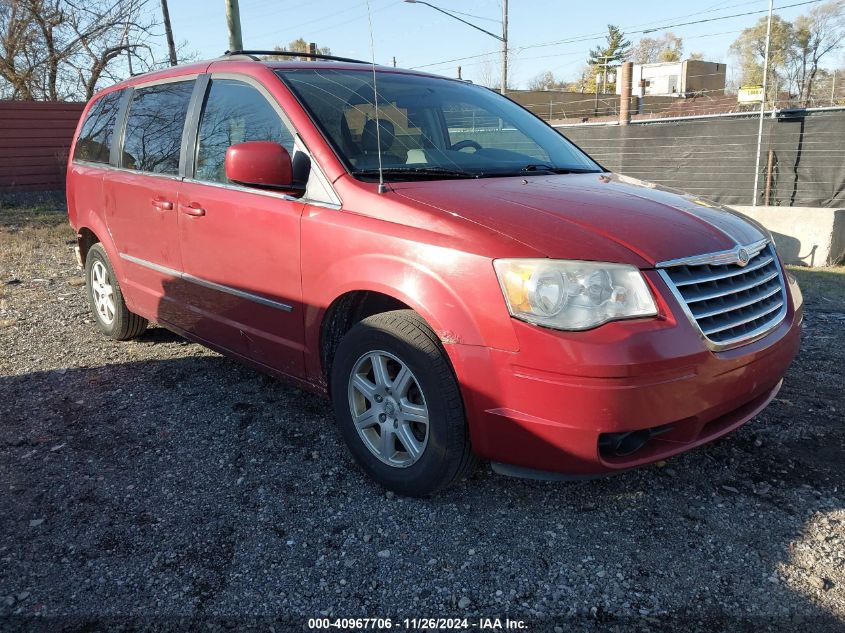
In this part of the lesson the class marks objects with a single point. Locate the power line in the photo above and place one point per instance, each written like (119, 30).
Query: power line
(595, 36)
(669, 26)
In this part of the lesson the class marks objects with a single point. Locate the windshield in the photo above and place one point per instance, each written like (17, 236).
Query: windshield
(427, 127)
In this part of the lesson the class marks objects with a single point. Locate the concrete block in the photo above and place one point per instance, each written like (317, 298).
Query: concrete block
(807, 236)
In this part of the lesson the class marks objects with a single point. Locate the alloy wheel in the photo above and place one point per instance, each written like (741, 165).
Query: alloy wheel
(103, 292)
(388, 409)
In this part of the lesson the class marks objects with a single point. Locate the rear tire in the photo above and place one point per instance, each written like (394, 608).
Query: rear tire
(407, 429)
(106, 300)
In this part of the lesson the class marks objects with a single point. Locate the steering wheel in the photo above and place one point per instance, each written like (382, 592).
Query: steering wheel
(457, 147)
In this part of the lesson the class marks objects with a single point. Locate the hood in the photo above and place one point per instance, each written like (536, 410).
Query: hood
(601, 217)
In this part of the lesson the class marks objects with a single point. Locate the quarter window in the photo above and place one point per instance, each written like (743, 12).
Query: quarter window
(94, 142)
(154, 127)
(234, 112)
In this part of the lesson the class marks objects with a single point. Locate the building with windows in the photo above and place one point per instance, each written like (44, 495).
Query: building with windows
(678, 79)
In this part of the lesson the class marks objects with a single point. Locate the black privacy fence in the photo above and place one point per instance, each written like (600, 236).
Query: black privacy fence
(802, 155)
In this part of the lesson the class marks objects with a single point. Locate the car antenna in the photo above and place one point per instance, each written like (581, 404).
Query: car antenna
(381, 186)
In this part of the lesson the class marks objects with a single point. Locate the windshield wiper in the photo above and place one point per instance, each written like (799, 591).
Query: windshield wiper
(541, 167)
(442, 172)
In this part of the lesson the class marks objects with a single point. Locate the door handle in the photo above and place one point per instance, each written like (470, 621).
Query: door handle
(162, 205)
(192, 209)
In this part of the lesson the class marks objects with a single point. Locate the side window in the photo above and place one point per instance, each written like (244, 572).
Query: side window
(234, 112)
(154, 127)
(94, 142)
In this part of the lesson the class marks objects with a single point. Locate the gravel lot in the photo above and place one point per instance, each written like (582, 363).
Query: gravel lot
(157, 484)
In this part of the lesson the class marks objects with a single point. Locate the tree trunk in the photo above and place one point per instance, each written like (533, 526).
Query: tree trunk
(810, 78)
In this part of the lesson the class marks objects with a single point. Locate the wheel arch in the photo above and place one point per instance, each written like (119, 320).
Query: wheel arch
(343, 313)
(92, 230)
(85, 239)
(446, 318)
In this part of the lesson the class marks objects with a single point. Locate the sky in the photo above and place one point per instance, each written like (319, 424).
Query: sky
(541, 32)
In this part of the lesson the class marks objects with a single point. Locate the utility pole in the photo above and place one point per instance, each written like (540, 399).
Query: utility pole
(168, 31)
(762, 104)
(833, 89)
(233, 21)
(604, 84)
(504, 47)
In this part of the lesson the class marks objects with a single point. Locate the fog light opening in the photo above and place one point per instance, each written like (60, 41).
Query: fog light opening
(627, 443)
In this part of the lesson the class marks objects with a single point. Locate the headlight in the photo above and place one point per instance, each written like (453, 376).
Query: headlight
(573, 295)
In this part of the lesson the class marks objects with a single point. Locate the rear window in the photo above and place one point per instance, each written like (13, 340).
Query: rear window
(94, 142)
(154, 128)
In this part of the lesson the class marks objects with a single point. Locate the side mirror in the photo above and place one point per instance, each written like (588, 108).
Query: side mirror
(260, 164)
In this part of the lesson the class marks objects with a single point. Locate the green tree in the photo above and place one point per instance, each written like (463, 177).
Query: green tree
(673, 48)
(651, 50)
(750, 51)
(615, 50)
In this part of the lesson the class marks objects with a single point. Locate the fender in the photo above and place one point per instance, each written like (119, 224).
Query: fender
(424, 290)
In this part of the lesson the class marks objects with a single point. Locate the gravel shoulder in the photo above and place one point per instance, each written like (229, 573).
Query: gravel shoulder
(156, 481)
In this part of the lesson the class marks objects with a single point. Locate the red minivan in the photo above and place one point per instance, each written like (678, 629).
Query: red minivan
(457, 276)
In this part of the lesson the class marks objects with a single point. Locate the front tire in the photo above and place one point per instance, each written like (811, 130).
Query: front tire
(106, 299)
(398, 404)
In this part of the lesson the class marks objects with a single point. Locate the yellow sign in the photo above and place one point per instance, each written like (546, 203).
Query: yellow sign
(750, 94)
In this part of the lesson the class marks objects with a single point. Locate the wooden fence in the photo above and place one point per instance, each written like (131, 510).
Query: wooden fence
(35, 137)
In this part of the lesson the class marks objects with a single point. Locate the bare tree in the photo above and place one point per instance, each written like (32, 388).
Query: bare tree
(543, 81)
(17, 39)
(65, 49)
(796, 50)
(815, 35)
(489, 73)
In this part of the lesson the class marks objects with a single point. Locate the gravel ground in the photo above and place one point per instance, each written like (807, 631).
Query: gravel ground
(157, 484)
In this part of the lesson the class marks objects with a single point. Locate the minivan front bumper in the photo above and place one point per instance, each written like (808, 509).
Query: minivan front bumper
(623, 395)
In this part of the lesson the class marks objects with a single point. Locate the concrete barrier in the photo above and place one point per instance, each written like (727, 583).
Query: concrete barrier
(806, 236)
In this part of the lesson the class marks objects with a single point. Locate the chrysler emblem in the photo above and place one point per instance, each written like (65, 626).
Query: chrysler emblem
(742, 257)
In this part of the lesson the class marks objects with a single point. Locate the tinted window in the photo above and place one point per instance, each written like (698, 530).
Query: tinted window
(154, 127)
(234, 112)
(94, 143)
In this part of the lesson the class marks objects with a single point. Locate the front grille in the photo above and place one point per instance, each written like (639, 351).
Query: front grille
(730, 303)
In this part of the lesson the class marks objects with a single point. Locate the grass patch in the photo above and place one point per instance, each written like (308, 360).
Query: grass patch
(45, 214)
(34, 236)
(821, 283)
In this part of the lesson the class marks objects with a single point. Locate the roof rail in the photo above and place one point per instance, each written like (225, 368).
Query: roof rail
(255, 53)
